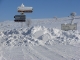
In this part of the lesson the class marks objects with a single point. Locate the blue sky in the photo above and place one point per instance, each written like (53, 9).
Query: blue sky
(41, 8)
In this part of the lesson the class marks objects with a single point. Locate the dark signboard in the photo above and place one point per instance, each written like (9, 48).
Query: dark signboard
(67, 27)
(20, 18)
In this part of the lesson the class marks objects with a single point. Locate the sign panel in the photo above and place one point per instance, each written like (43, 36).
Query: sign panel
(67, 27)
(25, 9)
(20, 18)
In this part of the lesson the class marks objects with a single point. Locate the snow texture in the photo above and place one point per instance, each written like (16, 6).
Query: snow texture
(38, 42)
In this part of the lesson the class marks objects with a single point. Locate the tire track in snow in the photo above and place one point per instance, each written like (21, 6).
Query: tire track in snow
(56, 51)
(33, 53)
(64, 53)
(27, 55)
(49, 54)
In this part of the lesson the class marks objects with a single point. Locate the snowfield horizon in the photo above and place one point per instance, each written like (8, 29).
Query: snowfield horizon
(42, 40)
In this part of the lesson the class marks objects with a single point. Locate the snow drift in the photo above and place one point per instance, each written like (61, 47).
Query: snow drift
(40, 42)
(38, 35)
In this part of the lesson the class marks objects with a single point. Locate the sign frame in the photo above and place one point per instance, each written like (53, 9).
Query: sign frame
(67, 27)
(20, 18)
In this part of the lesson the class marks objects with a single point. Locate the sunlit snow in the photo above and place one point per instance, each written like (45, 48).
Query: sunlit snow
(43, 40)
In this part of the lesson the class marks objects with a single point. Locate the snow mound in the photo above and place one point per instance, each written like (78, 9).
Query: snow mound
(38, 35)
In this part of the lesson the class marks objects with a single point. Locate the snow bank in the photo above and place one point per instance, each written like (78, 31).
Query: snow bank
(38, 35)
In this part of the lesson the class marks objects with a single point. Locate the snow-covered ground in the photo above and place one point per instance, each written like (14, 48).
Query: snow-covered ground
(43, 40)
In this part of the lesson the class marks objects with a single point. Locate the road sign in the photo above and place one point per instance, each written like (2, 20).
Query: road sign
(67, 27)
(20, 18)
(25, 9)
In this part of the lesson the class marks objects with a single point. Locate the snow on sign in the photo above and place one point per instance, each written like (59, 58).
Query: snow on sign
(25, 9)
(20, 18)
(67, 27)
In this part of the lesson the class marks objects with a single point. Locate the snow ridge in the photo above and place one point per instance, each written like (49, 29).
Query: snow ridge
(38, 35)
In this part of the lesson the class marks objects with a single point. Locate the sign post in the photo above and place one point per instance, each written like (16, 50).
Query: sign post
(67, 27)
(22, 9)
(70, 26)
(20, 18)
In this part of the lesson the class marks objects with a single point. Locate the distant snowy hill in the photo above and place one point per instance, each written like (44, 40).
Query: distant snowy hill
(43, 40)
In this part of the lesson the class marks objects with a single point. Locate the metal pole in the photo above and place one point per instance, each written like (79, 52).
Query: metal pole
(22, 13)
(72, 19)
(21, 25)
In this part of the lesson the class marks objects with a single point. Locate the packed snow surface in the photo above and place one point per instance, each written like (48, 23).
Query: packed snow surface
(38, 42)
